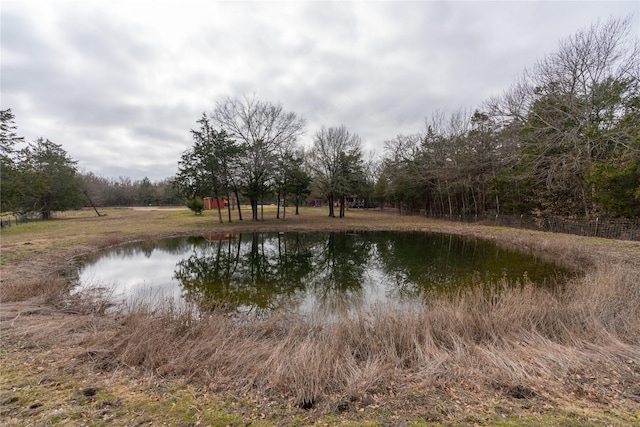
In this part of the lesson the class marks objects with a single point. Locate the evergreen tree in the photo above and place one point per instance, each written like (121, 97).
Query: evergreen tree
(205, 169)
(8, 172)
(48, 179)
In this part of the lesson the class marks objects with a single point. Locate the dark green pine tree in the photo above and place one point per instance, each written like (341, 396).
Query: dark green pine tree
(48, 179)
(8, 170)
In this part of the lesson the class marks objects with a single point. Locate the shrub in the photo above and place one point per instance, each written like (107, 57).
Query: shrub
(196, 205)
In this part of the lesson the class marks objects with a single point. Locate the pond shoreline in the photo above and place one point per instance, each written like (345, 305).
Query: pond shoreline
(63, 338)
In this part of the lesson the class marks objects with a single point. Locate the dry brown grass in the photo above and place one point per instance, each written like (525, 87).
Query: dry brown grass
(51, 288)
(580, 341)
(521, 338)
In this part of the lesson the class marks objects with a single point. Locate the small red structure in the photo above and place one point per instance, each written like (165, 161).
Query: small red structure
(216, 237)
(315, 203)
(213, 203)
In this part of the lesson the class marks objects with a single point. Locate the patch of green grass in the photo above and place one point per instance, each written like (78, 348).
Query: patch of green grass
(32, 394)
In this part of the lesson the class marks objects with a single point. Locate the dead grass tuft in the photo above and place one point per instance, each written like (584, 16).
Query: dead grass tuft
(51, 287)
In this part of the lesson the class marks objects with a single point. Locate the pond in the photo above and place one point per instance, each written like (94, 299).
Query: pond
(308, 272)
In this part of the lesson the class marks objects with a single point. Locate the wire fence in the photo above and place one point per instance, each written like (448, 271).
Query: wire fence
(608, 228)
(11, 219)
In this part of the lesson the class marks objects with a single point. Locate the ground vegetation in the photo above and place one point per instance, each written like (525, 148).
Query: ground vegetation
(527, 356)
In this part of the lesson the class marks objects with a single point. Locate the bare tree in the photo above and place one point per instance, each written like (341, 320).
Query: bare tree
(336, 163)
(260, 128)
(579, 94)
(400, 175)
(566, 115)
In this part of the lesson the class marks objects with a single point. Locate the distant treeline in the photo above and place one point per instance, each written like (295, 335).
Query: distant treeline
(125, 192)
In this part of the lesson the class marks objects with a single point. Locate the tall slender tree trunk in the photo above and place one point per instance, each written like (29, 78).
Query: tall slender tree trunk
(284, 207)
(262, 206)
(254, 209)
(219, 210)
(235, 190)
(217, 196)
(331, 213)
(449, 200)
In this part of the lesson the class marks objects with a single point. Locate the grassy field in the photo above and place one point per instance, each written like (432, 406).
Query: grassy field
(528, 357)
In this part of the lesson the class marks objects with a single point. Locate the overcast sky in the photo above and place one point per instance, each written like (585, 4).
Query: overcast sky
(119, 84)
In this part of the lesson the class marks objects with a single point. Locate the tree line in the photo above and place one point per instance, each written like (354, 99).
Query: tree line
(250, 147)
(124, 191)
(564, 139)
(42, 178)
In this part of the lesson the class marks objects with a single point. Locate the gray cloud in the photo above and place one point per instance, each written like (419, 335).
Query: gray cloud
(120, 84)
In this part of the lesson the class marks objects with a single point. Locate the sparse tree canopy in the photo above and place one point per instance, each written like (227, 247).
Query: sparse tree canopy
(563, 140)
(260, 128)
(578, 97)
(336, 164)
(125, 192)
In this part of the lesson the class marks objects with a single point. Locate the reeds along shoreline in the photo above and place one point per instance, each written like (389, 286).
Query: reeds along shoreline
(525, 335)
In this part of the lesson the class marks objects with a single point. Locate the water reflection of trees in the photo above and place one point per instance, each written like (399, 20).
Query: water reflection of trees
(231, 273)
(171, 245)
(340, 266)
(262, 272)
(417, 262)
(420, 262)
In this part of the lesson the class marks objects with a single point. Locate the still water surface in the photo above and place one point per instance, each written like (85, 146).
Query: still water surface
(305, 272)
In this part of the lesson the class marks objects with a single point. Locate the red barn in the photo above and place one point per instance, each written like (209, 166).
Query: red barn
(213, 203)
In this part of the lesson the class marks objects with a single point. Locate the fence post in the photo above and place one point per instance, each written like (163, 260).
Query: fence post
(596, 232)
